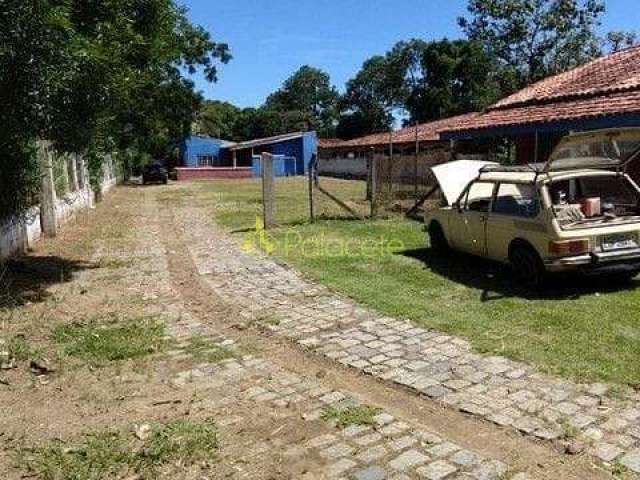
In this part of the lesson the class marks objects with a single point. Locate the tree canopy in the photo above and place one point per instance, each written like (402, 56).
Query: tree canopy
(94, 76)
(308, 99)
(426, 80)
(533, 39)
(218, 119)
(367, 102)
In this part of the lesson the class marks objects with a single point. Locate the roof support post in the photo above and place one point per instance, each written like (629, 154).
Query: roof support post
(415, 165)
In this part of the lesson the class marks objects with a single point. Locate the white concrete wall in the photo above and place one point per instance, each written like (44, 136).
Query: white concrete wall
(67, 206)
(20, 233)
(12, 238)
(343, 166)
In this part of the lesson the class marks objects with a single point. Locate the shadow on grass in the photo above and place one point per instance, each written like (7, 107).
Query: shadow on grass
(302, 223)
(497, 281)
(27, 279)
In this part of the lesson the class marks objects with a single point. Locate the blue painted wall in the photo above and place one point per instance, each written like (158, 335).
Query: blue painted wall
(310, 149)
(283, 166)
(194, 146)
(295, 155)
(301, 148)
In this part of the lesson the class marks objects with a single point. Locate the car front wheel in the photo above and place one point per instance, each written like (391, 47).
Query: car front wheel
(527, 265)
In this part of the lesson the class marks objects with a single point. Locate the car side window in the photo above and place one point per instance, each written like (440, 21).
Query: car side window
(516, 200)
(478, 197)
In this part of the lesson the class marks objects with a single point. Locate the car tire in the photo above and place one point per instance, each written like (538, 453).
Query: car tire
(527, 265)
(627, 277)
(437, 239)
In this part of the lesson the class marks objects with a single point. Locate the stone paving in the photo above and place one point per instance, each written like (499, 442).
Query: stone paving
(389, 448)
(442, 367)
(386, 449)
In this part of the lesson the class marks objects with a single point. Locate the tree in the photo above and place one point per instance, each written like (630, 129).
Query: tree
(427, 80)
(534, 38)
(218, 119)
(618, 40)
(255, 123)
(449, 78)
(307, 99)
(94, 76)
(369, 98)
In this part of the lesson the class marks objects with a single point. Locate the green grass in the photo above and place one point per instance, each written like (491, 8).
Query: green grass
(359, 415)
(204, 351)
(110, 455)
(20, 349)
(99, 343)
(585, 329)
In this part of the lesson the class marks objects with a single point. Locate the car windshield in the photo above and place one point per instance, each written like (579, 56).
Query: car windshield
(586, 201)
(597, 151)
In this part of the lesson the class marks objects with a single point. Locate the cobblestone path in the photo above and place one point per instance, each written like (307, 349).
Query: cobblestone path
(247, 392)
(439, 366)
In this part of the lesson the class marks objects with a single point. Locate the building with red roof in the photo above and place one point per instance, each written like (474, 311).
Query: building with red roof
(604, 93)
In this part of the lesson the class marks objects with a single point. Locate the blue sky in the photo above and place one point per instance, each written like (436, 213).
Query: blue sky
(270, 39)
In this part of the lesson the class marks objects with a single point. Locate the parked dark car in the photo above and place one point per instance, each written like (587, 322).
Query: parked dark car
(154, 173)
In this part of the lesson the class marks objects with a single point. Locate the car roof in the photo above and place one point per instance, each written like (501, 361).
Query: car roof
(522, 175)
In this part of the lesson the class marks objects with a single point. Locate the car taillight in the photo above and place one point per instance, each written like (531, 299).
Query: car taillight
(569, 247)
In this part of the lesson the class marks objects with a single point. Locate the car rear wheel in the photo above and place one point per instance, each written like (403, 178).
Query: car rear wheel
(627, 276)
(437, 239)
(527, 265)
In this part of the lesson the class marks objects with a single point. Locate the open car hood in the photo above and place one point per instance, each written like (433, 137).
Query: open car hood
(453, 177)
(603, 149)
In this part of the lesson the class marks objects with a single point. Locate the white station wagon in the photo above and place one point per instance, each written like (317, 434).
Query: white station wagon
(578, 211)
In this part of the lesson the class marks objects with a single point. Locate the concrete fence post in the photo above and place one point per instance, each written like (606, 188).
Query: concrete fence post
(47, 190)
(73, 172)
(66, 187)
(267, 189)
(83, 177)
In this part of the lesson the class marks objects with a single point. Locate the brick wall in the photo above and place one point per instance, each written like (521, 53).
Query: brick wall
(204, 173)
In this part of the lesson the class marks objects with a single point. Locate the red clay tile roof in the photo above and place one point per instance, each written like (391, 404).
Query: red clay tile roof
(427, 132)
(613, 73)
(607, 86)
(599, 106)
(329, 142)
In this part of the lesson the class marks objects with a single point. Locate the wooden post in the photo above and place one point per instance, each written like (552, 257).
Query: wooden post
(235, 159)
(373, 175)
(415, 166)
(267, 190)
(312, 170)
(47, 190)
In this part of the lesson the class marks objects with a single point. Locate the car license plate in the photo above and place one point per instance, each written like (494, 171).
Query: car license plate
(619, 242)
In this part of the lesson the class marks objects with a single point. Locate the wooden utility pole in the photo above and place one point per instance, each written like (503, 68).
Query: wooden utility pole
(373, 175)
(267, 190)
(312, 173)
(415, 165)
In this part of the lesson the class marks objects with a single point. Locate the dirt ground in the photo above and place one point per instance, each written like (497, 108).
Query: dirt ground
(127, 260)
